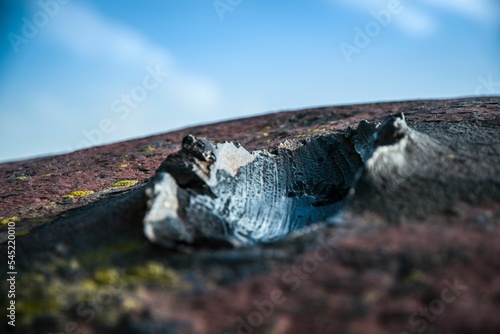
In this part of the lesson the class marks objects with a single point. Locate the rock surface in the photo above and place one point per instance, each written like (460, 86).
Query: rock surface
(221, 193)
(419, 254)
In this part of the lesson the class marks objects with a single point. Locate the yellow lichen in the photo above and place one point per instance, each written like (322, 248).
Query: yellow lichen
(131, 304)
(39, 220)
(314, 131)
(147, 149)
(122, 165)
(89, 287)
(20, 234)
(14, 219)
(153, 272)
(125, 183)
(104, 256)
(73, 264)
(21, 178)
(79, 193)
(48, 294)
(415, 276)
(107, 276)
(37, 297)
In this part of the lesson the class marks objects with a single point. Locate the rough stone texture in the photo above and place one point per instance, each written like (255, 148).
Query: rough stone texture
(222, 193)
(86, 265)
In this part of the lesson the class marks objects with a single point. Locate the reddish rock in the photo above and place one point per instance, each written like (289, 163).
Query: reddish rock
(436, 275)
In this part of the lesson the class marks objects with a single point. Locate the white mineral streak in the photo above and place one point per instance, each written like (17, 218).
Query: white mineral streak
(162, 223)
(392, 163)
(251, 197)
(222, 194)
(229, 159)
(390, 157)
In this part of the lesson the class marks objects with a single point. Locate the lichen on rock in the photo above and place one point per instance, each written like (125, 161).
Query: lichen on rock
(125, 183)
(404, 228)
(79, 193)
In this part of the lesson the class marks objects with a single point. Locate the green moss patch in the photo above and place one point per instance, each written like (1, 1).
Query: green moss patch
(106, 288)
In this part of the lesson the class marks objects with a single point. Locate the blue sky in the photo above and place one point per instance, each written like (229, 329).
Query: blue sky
(75, 74)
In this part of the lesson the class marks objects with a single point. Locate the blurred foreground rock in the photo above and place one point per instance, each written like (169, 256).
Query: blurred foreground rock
(415, 249)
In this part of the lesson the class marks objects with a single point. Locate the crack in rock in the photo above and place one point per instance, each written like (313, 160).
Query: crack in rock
(435, 169)
(223, 194)
(220, 194)
(398, 152)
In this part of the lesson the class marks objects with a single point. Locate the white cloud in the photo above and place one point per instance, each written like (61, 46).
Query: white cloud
(416, 22)
(194, 92)
(182, 98)
(411, 20)
(420, 18)
(479, 10)
(91, 36)
(97, 39)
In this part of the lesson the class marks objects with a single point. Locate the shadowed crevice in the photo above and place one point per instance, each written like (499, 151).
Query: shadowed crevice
(224, 193)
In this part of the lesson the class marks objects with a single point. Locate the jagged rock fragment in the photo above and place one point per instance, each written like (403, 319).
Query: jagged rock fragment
(222, 193)
(225, 194)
